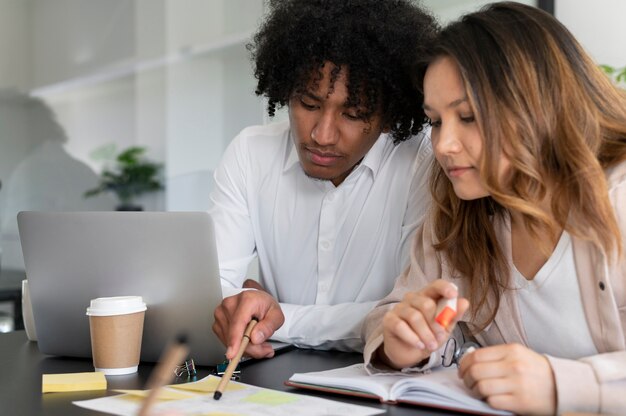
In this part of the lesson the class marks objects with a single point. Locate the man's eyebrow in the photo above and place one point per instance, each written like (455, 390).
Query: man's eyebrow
(311, 95)
(454, 103)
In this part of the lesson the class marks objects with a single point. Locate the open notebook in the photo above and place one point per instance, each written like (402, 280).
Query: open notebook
(440, 388)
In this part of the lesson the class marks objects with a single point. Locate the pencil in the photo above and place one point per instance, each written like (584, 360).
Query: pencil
(235, 361)
(163, 373)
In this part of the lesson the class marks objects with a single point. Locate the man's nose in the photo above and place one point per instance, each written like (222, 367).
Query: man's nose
(325, 131)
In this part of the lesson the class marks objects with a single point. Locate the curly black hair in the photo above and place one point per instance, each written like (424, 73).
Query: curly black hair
(378, 41)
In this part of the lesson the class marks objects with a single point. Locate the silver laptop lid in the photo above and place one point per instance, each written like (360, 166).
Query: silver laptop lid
(168, 258)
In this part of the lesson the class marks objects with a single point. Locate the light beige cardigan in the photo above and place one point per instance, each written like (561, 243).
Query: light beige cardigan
(590, 384)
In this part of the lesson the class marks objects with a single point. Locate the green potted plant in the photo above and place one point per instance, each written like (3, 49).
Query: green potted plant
(131, 176)
(618, 75)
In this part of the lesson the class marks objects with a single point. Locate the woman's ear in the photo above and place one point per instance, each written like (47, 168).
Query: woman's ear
(386, 129)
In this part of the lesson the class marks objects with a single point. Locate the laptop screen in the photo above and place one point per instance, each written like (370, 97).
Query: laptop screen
(168, 258)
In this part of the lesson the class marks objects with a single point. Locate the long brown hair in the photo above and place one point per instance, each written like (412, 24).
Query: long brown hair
(542, 102)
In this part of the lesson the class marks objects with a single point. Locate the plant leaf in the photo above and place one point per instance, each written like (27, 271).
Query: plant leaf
(131, 176)
(608, 69)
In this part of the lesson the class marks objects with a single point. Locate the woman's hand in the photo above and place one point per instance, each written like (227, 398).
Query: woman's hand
(409, 330)
(511, 377)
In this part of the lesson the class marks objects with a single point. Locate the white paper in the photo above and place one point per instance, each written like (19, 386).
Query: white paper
(249, 400)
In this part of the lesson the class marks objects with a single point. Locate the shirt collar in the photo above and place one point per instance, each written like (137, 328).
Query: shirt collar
(292, 155)
(372, 159)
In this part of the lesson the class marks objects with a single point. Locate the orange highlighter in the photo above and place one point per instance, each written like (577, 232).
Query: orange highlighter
(446, 311)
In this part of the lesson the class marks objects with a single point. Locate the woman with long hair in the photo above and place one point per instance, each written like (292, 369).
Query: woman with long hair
(528, 223)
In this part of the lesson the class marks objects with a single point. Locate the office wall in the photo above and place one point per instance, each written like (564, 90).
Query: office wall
(14, 41)
(170, 75)
(447, 10)
(209, 92)
(599, 26)
(15, 74)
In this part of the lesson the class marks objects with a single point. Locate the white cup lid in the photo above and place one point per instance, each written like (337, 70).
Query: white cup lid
(117, 305)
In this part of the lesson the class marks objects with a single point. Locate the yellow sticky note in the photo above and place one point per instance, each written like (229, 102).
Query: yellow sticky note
(51, 383)
(207, 385)
(164, 394)
(272, 398)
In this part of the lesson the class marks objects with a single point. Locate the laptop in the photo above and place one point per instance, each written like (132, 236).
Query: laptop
(168, 258)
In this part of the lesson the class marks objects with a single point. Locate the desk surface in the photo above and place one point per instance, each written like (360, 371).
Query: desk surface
(22, 366)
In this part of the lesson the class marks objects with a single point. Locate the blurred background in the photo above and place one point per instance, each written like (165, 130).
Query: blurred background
(83, 80)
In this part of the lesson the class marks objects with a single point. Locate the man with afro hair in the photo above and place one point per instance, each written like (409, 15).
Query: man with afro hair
(329, 200)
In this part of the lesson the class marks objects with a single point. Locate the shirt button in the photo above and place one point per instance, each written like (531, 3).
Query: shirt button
(323, 287)
(330, 197)
(601, 284)
(325, 245)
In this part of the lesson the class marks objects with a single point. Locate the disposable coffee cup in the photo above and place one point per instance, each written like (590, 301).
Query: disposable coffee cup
(116, 327)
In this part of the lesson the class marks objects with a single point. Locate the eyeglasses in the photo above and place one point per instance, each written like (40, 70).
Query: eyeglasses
(454, 352)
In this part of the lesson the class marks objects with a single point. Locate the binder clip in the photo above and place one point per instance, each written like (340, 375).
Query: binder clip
(188, 368)
(221, 369)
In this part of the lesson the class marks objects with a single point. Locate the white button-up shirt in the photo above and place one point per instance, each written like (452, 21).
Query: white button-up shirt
(326, 253)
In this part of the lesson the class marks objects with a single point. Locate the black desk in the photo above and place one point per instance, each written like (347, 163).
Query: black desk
(22, 365)
(11, 290)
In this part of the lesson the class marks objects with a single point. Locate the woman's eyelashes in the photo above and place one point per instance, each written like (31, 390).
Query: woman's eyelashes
(434, 122)
(468, 119)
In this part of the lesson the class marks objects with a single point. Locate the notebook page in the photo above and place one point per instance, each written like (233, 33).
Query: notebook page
(441, 387)
(354, 378)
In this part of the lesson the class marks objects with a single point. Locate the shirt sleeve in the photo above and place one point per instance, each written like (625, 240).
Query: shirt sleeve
(597, 384)
(593, 384)
(233, 226)
(318, 326)
(424, 268)
(373, 366)
(419, 198)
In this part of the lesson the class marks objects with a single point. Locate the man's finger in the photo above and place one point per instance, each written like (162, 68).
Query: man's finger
(263, 350)
(220, 324)
(252, 284)
(237, 326)
(266, 327)
(235, 334)
(217, 330)
(253, 304)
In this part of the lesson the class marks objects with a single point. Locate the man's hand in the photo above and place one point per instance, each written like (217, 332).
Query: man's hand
(252, 284)
(235, 312)
(511, 377)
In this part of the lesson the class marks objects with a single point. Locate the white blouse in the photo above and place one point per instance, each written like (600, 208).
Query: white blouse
(551, 308)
